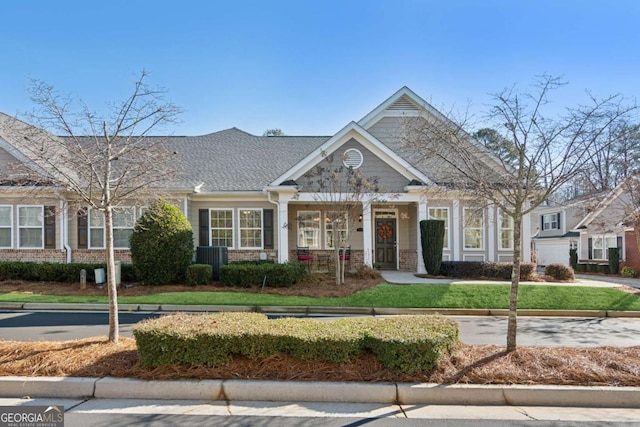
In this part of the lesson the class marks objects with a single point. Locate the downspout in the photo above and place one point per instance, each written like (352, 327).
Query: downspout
(278, 211)
(64, 225)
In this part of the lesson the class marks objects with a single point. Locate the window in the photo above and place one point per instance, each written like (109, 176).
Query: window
(309, 229)
(222, 227)
(473, 228)
(506, 231)
(443, 215)
(6, 226)
(600, 246)
(31, 226)
(335, 222)
(96, 229)
(124, 219)
(251, 228)
(551, 221)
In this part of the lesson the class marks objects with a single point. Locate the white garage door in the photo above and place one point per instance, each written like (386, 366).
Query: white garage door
(552, 253)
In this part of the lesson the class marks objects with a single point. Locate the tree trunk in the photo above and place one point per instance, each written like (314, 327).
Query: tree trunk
(114, 334)
(515, 283)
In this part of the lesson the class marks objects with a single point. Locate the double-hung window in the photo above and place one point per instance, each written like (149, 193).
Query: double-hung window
(309, 229)
(96, 229)
(123, 219)
(6, 227)
(31, 227)
(221, 227)
(250, 228)
(473, 228)
(600, 246)
(442, 214)
(335, 228)
(506, 230)
(551, 221)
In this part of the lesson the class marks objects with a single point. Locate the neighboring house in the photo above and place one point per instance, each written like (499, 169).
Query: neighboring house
(609, 225)
(247, 193)
(552, 228)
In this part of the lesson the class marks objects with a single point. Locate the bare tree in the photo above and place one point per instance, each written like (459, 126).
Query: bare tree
(342, 191)
(102, 162)
(546, 154)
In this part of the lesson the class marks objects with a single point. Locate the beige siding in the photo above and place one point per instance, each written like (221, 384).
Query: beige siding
(6, 159)
(389, 180)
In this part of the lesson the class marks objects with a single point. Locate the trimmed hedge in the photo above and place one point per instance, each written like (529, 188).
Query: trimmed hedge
(494, 270)
(628, 272)
(559, 272)
(199, 274)
(56, 272)
(253, 273)
(407, 344)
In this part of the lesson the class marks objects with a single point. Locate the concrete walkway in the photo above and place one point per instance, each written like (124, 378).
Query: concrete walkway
(409, 278)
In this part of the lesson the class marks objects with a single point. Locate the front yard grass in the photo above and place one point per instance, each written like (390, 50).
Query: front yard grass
(484, 296)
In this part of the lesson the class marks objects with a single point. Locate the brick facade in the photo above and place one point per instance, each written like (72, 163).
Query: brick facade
(98, 256)
(408, 260)
(33, 255)
(632, 255)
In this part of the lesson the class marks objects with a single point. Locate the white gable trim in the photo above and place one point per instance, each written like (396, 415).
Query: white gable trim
(355, 131)
(614, 194)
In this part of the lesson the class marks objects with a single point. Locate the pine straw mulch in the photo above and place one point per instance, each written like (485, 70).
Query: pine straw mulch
(314, 285)
(95, 357)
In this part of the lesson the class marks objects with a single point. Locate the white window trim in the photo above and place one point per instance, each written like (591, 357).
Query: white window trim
(429, 208)
(319, 243)
(233, 226)
(604, 248)
(465, 227)
(326, 230)
(104, 228)
(240, 228)
(21, 227)
(10, 227)
(555, 220)
(501, 229)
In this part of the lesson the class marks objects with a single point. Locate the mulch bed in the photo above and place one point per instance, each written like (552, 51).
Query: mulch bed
(95, 357)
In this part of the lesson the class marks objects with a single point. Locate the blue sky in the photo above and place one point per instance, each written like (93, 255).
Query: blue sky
(309, 68)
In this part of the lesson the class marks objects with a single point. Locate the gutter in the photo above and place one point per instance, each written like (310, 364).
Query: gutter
(64, 225)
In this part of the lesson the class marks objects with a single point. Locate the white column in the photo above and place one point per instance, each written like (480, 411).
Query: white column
(455, 228)
(283, 230)
(422, 215)
(526, 238)
(491, 229)
(367, 233)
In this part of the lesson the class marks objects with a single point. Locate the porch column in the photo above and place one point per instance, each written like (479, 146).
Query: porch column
(491, 229)
(367, 232)
(422, 215)
(457, 256)
(526, 238)
(283, 229)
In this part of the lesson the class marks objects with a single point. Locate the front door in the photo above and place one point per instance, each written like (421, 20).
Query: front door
(386, 243)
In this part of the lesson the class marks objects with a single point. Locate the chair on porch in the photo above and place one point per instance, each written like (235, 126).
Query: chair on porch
(345, 255)
(304, 255)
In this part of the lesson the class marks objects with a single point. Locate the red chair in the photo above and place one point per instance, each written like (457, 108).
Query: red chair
(304, 255)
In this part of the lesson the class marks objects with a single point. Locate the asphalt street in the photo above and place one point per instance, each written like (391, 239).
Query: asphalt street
(532, 331)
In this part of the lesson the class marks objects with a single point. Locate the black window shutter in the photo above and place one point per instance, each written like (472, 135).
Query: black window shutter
(267, 228)
(49, 227)
(590, 248)
(541, 222)
(203, 227)
(559, 227)
(83, 229)
(619, 244)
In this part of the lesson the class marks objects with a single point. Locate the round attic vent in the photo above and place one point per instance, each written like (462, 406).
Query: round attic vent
(352, 158)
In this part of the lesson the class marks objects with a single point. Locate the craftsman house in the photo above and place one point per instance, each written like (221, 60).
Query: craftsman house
(248, 193)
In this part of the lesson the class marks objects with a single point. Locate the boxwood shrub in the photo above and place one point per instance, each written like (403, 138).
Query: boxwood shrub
(199, 274)
(56, 272)
(493, 270)
(407, 344)
(250, 274)
(559, 272)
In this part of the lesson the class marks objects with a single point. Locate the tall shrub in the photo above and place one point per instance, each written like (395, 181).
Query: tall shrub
(432, 240)
(614, 260)
(162, 244)
(573, 258)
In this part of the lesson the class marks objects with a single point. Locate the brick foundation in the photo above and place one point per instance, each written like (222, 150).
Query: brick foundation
(98, 256)
(250, 255)
(33, 255)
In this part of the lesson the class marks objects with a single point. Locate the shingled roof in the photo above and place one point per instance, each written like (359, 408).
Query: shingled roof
(234, 160)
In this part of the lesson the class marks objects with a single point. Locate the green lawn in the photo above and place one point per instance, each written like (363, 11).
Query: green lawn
(385, 295)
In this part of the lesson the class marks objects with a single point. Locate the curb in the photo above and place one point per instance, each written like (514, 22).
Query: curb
(313, 310)
(337, 392)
